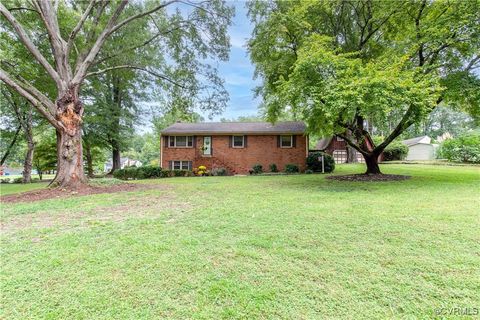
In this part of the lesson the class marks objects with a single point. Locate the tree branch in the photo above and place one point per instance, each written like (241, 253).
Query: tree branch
(29, 44)
(44, 110)
(81, 69)
(127, 66)
(79, 25)
(142, 14)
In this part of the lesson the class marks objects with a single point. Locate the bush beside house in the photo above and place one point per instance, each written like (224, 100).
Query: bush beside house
(315, 164)
(395, 151)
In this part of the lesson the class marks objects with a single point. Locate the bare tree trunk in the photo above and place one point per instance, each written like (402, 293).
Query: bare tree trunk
(371, 161)
(88, 156)
(70, 172)
(27, 165)
(10, 146)
(116, 163)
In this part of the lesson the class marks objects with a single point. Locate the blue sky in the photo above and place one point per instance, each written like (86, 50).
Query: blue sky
(238, 71)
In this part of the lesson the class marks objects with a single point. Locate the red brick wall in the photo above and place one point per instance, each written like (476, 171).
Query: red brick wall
(260, 149)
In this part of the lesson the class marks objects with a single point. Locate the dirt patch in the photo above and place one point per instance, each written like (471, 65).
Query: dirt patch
(369, 177)
(55, 193)
(152, 206)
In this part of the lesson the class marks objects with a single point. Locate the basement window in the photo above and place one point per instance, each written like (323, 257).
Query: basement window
(181, 165)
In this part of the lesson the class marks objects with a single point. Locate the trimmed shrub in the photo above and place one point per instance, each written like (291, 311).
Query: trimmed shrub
(291, 168)
(145, 172)
(308, 171)
(257, 169)
(180, 173)
(5, 180)
(314, 164)
(465, 148)
(219, 172)
(395, 151)
(273, 168)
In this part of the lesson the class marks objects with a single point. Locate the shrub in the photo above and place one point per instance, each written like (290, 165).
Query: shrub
(465, 148)
(308, 171)
(273, 168)
(314, 164)
(5, 180)
(18, 180)
(219, 172)
(180, 173)
(257, 169)
(395, 151)
(291, 168)
(165, 173)
(144, 172)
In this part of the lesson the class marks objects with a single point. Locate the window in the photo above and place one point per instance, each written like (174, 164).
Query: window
(339, 139)
(180, 141)
(181, 165)
(238, 141)
(286, 141)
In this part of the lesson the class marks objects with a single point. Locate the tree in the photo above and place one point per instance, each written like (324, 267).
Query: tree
(23, 114)
(72, 51)
(345, 65)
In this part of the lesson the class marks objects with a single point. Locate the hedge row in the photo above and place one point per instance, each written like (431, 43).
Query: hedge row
(147, 172)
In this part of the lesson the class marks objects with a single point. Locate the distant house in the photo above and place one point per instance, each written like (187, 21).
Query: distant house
(124, 162)
(420, 148)
(235, 146)
(337, 148)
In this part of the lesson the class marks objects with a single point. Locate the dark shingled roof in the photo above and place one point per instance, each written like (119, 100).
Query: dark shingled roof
(289, 127)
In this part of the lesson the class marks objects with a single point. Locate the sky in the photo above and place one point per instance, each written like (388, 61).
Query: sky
(238, 71)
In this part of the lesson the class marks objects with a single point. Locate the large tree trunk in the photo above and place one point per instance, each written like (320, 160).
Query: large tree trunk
(27, 165)
(371, 161)
(69, 142)
(351, 152)
(116, 163)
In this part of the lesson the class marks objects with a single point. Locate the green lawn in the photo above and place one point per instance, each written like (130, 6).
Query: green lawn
(265, 247)
(10, 188)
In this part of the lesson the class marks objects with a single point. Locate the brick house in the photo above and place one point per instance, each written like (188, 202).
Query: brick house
(235, 146)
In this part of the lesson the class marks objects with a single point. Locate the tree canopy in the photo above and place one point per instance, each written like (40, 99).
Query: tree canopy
(345, 66)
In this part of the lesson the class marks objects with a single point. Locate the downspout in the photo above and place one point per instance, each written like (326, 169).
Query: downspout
(161, 151)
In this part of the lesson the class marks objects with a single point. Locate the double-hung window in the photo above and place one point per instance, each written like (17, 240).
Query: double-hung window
(238, 141)
(286, 141)
(181, 165)
(180, 141)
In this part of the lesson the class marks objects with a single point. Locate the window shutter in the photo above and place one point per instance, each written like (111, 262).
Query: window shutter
(190, 165)
(244, 141)
(170, 165)
(166, 143)
(194, 143)
(230, 141)
(294, 141)
(278, 141)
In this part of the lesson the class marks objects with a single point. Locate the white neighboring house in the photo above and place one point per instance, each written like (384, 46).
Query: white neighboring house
(420, 148)
(124, 162)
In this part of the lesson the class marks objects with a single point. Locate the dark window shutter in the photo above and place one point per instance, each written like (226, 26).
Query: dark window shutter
(190, 165)
(278, 141)
(244, 141)
(194, 141)
(166, 142)
(170, 165)
(230, 141)
(294, 141)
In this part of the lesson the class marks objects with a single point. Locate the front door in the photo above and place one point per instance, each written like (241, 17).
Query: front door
(207, 146)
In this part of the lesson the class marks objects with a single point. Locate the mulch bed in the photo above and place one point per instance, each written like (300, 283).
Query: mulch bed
(54, 193)
(369, 177)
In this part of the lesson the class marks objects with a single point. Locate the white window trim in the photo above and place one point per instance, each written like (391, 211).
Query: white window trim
(181, 164)
(233, 142)
(175, 142)
(291, 141)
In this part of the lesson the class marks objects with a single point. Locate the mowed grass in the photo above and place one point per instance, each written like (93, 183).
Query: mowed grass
(265, 247)
(11, 188)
